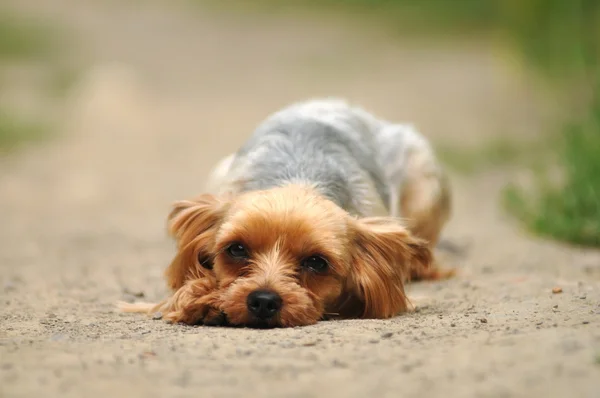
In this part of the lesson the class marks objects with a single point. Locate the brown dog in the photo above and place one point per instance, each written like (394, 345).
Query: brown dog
(289, 237)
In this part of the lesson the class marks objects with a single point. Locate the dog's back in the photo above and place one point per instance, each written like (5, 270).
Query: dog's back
(325, 144)
(349, 155)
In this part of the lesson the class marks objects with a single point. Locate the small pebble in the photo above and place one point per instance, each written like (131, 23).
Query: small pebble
(339, 364)
(374, 341)
(406, 368)
(9, 287)
(585, 322)
(583, 297)
(59, 337)
(138, 294)
(157, 315)
(242, 353)
(147, 354)
(310, 344)
(555, 306)
(387, 335)
(483, 320)
(556, 290)
(452, 325)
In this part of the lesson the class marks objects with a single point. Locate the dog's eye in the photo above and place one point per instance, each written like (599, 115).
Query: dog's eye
(315, 263)
(237, 251)
(205, 261)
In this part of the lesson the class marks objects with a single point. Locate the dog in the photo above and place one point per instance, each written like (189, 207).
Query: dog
(303, 223)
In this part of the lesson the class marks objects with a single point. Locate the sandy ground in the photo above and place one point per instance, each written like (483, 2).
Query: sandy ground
(165, 93)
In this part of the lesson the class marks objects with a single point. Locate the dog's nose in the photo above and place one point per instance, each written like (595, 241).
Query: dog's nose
(264, 304)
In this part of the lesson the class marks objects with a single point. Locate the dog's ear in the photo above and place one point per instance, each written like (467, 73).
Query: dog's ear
(193, 224)
(383, 256)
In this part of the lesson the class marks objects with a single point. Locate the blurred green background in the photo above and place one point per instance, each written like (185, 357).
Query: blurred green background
(18, 42)
(558, 39)
(31, 62)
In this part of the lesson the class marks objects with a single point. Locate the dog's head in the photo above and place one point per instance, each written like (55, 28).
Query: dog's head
(288, 257)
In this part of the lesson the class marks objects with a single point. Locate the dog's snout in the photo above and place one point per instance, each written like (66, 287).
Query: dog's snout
(264, 304)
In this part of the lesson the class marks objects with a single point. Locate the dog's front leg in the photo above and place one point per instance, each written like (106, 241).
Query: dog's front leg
(190, 304)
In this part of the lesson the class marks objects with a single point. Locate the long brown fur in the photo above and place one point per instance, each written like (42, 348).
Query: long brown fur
(369, 260)
(386, 255)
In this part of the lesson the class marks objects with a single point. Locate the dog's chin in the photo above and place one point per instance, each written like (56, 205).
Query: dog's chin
(254, 323)
(260, 324)
(223, 321)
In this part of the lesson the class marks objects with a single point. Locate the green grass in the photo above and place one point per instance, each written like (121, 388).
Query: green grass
(566, 208)
(401, 15)
(15, 131)
(21, 41)
(569, 54)
(569, 211)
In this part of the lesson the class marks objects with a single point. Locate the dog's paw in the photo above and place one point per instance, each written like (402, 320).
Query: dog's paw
(190, 314)
(192, 309)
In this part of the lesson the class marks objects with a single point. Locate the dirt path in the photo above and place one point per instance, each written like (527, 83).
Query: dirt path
(168, 92)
